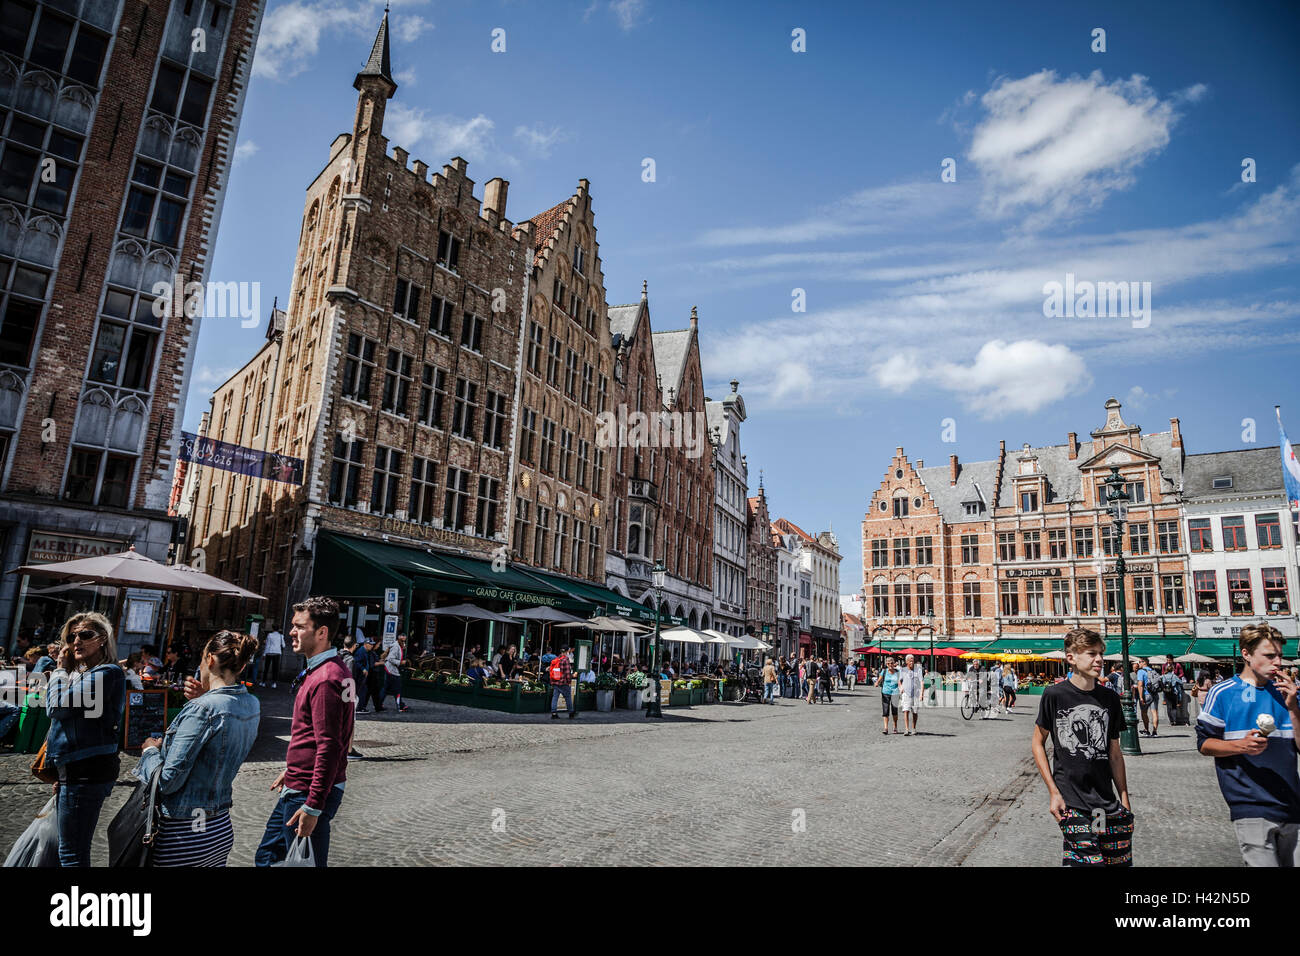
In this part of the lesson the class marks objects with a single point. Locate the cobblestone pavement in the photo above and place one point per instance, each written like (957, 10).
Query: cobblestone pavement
(739, 784)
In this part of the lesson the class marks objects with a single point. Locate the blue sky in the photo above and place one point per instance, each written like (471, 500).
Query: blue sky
(820, 171)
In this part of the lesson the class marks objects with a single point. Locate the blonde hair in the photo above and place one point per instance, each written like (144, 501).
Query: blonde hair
(97, 623)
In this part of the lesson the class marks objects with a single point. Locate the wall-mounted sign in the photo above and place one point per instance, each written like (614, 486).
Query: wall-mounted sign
(390, 600)
(47, 547)
(1033, 572)
(1021, 621)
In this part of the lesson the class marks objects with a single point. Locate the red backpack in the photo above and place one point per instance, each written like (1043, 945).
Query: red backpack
(557, 669)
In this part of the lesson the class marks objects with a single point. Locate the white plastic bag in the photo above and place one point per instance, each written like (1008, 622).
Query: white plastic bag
(39, 844)
(300, 854)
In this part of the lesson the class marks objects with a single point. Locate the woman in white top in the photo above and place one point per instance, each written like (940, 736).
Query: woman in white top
(133, 666)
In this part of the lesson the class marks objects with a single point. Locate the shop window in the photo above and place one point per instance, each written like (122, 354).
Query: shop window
(1240, 600)
(1207, 592)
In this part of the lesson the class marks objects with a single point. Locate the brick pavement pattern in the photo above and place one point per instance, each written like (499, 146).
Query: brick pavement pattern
(740, 784)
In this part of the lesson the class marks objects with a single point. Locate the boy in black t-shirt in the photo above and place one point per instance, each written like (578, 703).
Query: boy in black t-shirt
(1084, 720)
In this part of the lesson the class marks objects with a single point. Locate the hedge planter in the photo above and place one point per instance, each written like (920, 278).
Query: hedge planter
(536, 702)
(679, 697)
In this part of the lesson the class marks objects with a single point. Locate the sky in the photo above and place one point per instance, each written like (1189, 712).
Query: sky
(866, 202)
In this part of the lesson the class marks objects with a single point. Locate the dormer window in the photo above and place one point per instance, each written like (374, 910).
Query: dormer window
(1222, 482)
(971, 508)
(1029, 501)
(579, 258)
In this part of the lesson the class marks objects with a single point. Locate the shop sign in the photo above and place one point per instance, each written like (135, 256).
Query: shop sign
(390, 600)
(420, 532)
(502, 594)
(1019, 621)
(1130, 568)
(48, 547)
(1132, 621)
(1033, 572)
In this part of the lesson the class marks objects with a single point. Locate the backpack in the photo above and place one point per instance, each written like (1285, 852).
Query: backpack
(557, 669)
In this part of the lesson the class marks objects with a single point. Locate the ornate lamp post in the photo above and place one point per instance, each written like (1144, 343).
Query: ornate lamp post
(929, 621)
(654, 708)
(1116, 501)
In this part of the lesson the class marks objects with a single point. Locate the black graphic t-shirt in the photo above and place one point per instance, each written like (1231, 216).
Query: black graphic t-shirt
(1082, 725)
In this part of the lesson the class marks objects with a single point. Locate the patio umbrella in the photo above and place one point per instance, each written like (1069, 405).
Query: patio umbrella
(467, 613)
(1196, 659)
(616, 625)
(682, 635)
(1053, 655)
(548, 616)
(215, 583)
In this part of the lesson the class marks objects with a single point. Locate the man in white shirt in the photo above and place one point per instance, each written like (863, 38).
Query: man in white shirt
(393, 658)
(994, 689)
(910, 687)
(271, 656)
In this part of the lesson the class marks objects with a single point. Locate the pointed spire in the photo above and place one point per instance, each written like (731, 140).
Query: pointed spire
(643, 290)
(379, 64)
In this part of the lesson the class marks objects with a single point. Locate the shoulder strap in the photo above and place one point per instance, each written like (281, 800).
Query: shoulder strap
(152, 818)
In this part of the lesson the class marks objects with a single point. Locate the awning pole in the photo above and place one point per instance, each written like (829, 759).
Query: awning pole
(463, 641)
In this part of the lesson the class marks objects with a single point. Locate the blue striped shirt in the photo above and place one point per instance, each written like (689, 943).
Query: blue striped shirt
(1266, 785)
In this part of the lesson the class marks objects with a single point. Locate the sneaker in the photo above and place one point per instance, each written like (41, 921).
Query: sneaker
(573, 715)
(354, 755)
(555, 716)
(272, 685)
(403, 709)
(363, 710)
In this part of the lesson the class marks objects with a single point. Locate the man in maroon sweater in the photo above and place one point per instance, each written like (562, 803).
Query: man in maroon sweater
(311, 784)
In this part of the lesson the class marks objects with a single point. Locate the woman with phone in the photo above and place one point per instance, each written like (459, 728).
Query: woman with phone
(200, 755)
(85, 699)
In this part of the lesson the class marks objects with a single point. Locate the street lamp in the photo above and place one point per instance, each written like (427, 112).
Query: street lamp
(654, 708)
(1116, 501)
(929, 620)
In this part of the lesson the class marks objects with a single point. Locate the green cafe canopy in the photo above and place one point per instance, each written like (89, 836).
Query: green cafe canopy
(1154, 645)
(1217, 647)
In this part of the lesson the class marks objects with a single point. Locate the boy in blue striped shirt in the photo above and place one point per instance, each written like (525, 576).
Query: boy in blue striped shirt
(1247, 724)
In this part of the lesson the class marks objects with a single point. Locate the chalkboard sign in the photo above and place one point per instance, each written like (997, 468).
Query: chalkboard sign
(146, 716)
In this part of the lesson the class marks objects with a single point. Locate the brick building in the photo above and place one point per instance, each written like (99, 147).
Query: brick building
(419, 320)
(762, 576)
(119, 123)
(1017, 548)
(731, 488)
(662, 488)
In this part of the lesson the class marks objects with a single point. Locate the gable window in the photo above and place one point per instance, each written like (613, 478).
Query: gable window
(1029, 501)
(902, 552)
(424, 490)
(527, 435)
(485, 520)
(433, 395)
(548, 445)
(925, 550)
(397, 383)
(900, 507)
(448, 250)
(971, 508)
(880, 553)
(494, 419)
(388, 475)
(357, 368)
(553, 359)
(535, 346)
(462, 416)
(406, 299)
(471, 333)
(456, 502)
(345, 473)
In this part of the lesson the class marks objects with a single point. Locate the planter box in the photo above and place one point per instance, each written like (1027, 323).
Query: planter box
(635, 699)
(534, 703)
(583, 702)
(604, 700)
(679, 698)
(697, 696)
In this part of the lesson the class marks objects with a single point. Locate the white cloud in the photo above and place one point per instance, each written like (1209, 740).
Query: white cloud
(540, 141)
(898, 373)
(629, 13)
(246, 149)
(291, 34)
(1019, 376)
(408, 29)
(1052, 149)
(442, 136)
(208, 376)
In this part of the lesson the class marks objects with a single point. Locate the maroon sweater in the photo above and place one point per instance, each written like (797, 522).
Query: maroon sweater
(317, 759)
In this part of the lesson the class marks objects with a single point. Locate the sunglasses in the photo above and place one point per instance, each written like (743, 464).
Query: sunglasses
(86, 636)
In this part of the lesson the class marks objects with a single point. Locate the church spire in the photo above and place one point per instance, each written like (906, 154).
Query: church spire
(379, 65)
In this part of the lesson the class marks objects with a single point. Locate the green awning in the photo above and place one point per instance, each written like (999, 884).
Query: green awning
(1156, 645)
(1022, 645)
(512, 584)
(606, 601)
(1217, 646)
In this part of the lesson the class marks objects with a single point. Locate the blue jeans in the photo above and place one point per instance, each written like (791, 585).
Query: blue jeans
(279, 837)
(8, 717)
(556, 691)
(79, 806)
(769, 691)
(362, 688)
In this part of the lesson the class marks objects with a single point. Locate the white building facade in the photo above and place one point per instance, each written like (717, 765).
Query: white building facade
(730, 536)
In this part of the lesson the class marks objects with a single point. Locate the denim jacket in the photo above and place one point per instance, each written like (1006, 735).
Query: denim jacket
(85, 713)
(202, 751)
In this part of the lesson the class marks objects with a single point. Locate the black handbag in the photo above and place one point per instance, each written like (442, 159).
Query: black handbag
(130, 835)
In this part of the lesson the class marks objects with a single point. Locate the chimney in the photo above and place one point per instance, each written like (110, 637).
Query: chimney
(1072, 440)
(695, 316)
(920, 463)
(898, 452)
(954, 469)
(1177, 440)
(421, 169)
(494, 196)
(400, 155)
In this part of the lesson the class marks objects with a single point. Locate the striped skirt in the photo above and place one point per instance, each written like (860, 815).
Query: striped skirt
(177, 844)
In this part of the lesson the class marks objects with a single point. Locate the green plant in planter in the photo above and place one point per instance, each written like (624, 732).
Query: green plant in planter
(680, 684)
(586, 687)
(606, 681)
(637, 681)
(696, 684)
(531, 687)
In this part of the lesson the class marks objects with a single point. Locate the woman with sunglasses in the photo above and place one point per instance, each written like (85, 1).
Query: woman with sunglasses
(85, 699)
(200, 756)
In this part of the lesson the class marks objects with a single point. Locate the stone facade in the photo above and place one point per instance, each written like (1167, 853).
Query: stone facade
(661, 489)
(140, 119)
(762, 577)
(730, 538)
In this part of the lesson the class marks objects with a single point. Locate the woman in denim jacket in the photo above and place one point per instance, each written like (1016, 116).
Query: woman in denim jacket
(85, 699)
(200, 755)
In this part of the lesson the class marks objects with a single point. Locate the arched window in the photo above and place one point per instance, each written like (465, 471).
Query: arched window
(11, 399)
(92, 422)
(128, 424)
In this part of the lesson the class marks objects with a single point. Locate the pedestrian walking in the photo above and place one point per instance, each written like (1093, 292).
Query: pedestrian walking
(825, 675)
(887, 681)
(911, 686)
(1146, 697)
(311, 784)
(1088, 785)
(376, 679)
(769, 681)
(560, 672)
(393, 671)
(1247, 724)
(361, 664)
(85, 699)
(200, 755)
(993, 689)
(813, 670)
(1010, 684)
(251, 672)
(851, 675)
(271, 656)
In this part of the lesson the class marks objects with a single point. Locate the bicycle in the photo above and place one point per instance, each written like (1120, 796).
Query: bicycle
(969, 708)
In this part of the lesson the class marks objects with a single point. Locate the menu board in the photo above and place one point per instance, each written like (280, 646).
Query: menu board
(146, 716)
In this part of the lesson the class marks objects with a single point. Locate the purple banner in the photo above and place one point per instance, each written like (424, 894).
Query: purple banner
(241, 460)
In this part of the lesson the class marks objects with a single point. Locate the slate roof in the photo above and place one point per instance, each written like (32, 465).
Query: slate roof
(1252, 470)
(379, 63)
(671, 349)
(950, 498)
(786, 526)
(622, 319)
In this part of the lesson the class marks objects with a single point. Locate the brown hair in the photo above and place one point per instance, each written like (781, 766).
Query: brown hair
(33, 654)
(1082, 638)
(233, 650)
(97, 623)
(323, 611)
(1253, 634)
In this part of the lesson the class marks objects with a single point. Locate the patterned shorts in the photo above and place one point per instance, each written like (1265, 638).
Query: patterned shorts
(1106, 840)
